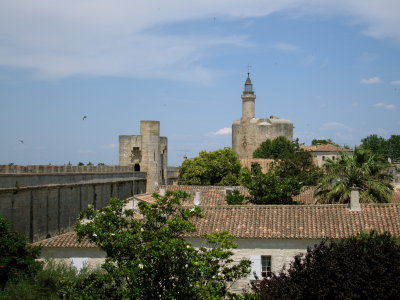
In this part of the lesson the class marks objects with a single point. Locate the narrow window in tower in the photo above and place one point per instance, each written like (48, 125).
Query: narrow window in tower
(154, 156)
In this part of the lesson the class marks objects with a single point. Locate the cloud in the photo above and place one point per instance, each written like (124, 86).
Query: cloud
(285, 47)
(395, 82)
(223, 131)
(131, 39)
(387, 106)
(336, 126)
(372, 80)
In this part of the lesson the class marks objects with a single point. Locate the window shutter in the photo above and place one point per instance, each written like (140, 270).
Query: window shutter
(79, 262)
(255, 267)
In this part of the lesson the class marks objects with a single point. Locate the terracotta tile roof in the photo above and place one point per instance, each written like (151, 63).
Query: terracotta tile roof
(325, 148)
(66, 240)
(210, 195)
(279, 222)
(300, 222)
(265, 163)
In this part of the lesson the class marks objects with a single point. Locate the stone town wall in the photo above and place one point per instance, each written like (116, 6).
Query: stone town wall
(43, 211)
(17, 169)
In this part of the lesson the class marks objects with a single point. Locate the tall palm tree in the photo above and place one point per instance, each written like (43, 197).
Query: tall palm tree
(362, 170)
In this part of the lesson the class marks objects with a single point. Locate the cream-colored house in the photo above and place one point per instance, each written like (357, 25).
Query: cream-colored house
(322, 152)
(269, 235)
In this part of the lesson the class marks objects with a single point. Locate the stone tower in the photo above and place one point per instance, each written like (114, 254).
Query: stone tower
(249, 132)
(147, 152)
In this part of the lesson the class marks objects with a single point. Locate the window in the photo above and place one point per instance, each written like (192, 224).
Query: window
(79, 262)
(266, 266)
(323, 157)
(260, 267)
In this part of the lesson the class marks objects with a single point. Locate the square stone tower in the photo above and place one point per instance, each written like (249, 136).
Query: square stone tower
(147, 152)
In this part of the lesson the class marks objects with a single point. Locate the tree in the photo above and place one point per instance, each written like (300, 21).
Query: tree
(292, 161)
(366, 266)
(148, 257)
(17, 259)
(363, 170)
(381, 147)
(220, 167)
(235, 198)
(269, 188)
(323, 142)
(277, 148)
(375, 144)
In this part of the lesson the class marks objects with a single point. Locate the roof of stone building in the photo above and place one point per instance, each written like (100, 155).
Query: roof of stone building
(66, 240)
(325, 148)
(305, 221)
(271, 221)
(279, 222)
(216, 195)
(265, 163)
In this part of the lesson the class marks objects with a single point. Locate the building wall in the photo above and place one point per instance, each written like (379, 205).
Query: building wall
(95, 256)
(282, 252)
(44, 211)
(249, 134)
(320, 158)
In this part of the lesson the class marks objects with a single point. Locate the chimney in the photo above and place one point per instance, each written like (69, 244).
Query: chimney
(197, 198)
(162, 192)
(354, 199)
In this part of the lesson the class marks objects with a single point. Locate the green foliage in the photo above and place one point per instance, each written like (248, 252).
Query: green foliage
(235, 198)
(81, 164)
(361, 267)
(45, 284)
(299, 167)
(381, 147)
(323, 142)
(220, 167)
(294, 163)
(277, 148)
(363, 170)
(101, 164)
(17, 259)
(269, 188)
(148, 258)
(89, 164)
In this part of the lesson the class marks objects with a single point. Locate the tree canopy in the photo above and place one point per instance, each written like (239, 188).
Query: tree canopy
(220, 167)
(148, 257)
(323, 142)
(366, 266)
(277, 148)
(363, 170)
(381, 147)
(269, 188)
(17, 259)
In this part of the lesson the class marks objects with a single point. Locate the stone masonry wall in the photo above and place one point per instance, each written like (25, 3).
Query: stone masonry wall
(44, 211)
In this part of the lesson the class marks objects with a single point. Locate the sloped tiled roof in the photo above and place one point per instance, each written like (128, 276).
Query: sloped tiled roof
(279, 222)
(325, 148)
(300, 222)
(66, 240)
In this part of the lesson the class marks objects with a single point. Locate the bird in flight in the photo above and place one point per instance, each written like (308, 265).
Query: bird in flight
(84, 117)
(21, 141)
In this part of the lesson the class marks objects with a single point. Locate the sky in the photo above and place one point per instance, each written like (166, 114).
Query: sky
(331, 67)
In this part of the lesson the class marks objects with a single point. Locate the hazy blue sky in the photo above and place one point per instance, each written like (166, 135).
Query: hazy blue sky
(332, 67)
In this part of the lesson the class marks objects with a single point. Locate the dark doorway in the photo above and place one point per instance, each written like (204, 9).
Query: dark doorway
(137, 168)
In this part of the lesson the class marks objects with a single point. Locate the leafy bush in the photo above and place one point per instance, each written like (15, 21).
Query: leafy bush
(235, 198)
(366, 266)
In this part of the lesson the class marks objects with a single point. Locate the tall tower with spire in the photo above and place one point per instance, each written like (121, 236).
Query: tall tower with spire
(248, 99)
(249, 132)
